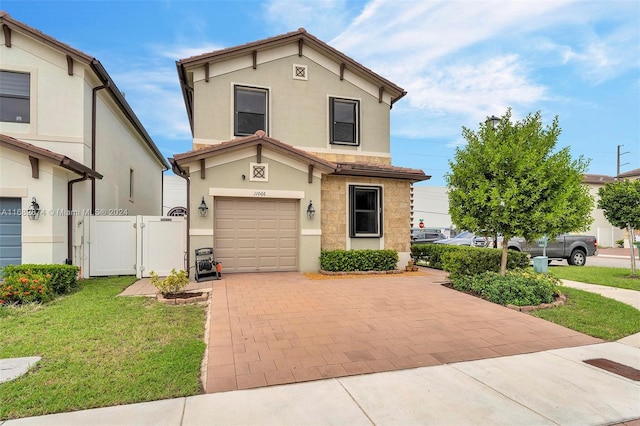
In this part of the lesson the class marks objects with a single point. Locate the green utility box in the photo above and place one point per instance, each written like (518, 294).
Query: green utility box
(541, 264)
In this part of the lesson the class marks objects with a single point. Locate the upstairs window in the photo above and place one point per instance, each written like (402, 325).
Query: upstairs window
(14, 97)
(250, 110)
(344, 117)
(365, 211)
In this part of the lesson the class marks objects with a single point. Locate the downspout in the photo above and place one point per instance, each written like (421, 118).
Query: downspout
(69, 260)
(179, 171)
(93, 142)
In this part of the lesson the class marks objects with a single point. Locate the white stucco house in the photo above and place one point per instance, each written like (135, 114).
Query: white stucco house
(69, 143)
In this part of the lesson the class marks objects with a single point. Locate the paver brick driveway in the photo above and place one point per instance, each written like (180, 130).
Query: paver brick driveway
(275, 328)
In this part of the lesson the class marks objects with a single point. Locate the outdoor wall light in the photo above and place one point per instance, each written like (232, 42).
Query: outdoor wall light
(203, 209)
(311, 212)
(494, 121)
(34, 210)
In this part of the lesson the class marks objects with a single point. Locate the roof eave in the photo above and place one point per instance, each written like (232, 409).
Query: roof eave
(414, 177)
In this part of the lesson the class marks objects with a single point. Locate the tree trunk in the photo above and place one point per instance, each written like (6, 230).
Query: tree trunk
(632, 251)
(503, 260)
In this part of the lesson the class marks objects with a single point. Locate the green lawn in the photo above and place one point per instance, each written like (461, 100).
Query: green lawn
(613, 277)
(100, 350)
(592, 314)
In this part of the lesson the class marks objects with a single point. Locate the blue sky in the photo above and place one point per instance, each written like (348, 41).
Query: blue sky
(460, 61)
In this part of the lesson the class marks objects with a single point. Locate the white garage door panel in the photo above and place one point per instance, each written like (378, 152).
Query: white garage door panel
(256, 235)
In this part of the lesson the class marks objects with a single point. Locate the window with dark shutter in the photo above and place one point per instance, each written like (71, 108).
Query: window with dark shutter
(365, 211)
(344, 117)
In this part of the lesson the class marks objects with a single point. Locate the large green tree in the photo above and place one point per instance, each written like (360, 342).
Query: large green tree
(621, 204)
(510, 179)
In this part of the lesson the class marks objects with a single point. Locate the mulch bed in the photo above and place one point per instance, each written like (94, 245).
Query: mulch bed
(341, 275)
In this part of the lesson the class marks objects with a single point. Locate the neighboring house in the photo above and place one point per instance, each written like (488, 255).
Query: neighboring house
(68, 142)
(291, 155)
(631, 175)
(605, 233)
(174, 196)
(431, 204)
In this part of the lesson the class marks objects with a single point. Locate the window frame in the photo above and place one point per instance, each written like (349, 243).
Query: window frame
(332, 122)
(377, 232)
(131, 184)
(240, 87)
(26, 97)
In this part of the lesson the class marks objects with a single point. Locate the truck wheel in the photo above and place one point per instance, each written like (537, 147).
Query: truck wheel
(577, 258)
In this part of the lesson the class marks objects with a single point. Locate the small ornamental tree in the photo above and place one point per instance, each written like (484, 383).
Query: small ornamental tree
(621, 204)
(509, 180)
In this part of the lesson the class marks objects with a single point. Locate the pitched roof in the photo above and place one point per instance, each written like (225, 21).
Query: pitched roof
(630, 173)
(91, 62)
(343, 168)
(598, 179)
(46, 155)
(259, 138)
(380, 170)
(300, 36)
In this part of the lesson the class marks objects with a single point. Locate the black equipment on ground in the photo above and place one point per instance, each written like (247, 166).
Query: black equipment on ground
(206, 266)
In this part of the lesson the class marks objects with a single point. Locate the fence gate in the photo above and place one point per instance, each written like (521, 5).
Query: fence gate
(135, 245)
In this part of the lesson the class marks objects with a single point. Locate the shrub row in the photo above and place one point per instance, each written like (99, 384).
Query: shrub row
(36, 283)
(474, 261)
(462, 260)
(358, 260)
(518, 287)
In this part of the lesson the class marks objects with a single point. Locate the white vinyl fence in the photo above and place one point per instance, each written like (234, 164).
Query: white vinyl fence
(135, 245)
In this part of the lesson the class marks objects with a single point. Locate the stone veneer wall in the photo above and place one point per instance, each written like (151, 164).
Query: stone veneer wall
(396, 211)
(351, 158)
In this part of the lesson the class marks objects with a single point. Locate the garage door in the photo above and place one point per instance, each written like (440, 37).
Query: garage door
(10, 232)
(256, 234)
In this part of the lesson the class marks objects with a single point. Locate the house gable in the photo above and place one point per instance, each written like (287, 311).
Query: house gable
(36, 45)
(303, 110)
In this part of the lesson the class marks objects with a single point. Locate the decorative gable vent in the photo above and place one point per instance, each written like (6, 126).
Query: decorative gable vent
(259, 172)
(300, 72)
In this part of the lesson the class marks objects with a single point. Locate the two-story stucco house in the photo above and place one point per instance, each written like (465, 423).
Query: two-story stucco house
(69, 143)
(291, 155)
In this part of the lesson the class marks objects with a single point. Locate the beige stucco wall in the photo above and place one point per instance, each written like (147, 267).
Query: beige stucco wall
(285, 174)
(61, 122)
(396, 212)
(119, 149)
(298, 109)
(43, 240)
(58, 100)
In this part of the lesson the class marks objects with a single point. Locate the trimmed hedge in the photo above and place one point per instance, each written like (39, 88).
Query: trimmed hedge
(62, 278)
(518, 287)
(466, 260)
(358, 260)
(474, 261)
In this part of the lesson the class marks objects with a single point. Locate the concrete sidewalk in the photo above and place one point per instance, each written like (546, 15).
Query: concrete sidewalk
(550, 387)
(630, 297)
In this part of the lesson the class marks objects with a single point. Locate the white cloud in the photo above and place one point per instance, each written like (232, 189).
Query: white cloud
(182, 52)
(468, 59)
(322, 18)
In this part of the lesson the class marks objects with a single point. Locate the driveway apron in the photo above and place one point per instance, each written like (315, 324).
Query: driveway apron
(275, 328)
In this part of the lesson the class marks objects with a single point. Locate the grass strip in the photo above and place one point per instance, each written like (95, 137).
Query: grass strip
(612, 277)
(592, 314)
(100, 350)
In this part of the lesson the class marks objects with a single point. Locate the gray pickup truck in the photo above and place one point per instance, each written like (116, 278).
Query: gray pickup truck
(574, 248)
